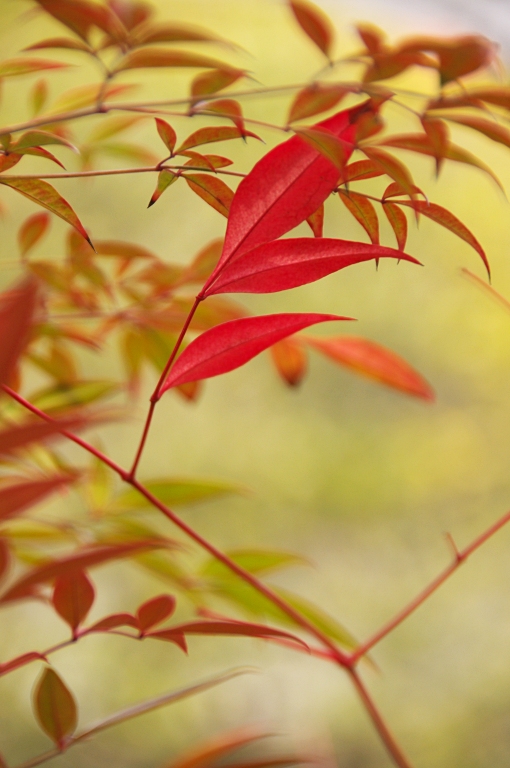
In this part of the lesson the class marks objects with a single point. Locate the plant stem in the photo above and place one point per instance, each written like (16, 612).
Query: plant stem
(120, 171)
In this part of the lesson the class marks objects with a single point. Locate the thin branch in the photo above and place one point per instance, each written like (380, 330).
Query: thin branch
(460, 557)
(121, 171)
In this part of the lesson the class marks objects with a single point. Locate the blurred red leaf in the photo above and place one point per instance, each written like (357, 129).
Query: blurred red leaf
(114, 621)
(230, 345)
(40, 152)
(211, 82)
(80, 16)
(32, 230)
(155, 611)
(15, 67)
(290, 360)
(166, 133)
(5, 558)
(288, 263)
(38, 431)
(316, 98)
(457, 56)
(210, 753)
(226, 108)
(66, 43)
(488, 128)
(44, 194)
(55, 707)
(437, 133)
(214, 191)
(314, 23)
(17, 307)
(20, 661)
(73, 597)
(375, 361)
(363, 211)
(398, 221)
(163, 57)
(216, 133)
(239, 628)
(172, 33)
(16, 498)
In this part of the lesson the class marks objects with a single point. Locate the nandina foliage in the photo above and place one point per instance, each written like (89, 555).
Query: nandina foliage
(173, 317)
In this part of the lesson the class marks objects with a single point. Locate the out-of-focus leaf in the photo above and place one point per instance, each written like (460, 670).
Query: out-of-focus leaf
(232, 344)
(20, 661)
(5, 558)
(9, 161)
(17, 497)
(316, 221)
(437, 133)
(40, 138)
(163, 57)
(290, 360)
(40, 152)
(215, 133)
(44, 194)
(32, 230)
(173, 33)
(388, 64)
(165, 179)
(288, 263)
(15, 67)
(17, 307)
(316, 98)
(228, 108)
(113, 126)
(253, 560)
(211, 189)
(214, 750)
(319, 618)
(67, 43)
(229, 628)
(85, 96)
(155, 611)
(207, 83)
(315, 24)
(19, 435)
(333, 148)
(363, 211)
(81, 559)
(113, 622)
(374, 361)
(488, 128)
(39, 96)
(458, 56)
(176, 491)
(203, 263)
(392, 167)
(446, 219)
(398, 221)
(73, 597)
(59, 398)
(372, 37)
(80, 16)
(166, 133)
(55, 707)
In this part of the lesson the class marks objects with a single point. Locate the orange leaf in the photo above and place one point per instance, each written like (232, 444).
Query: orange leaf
(290, 360)
(392, 167)
(61, 42)
(214, 81)
(209, 135)
(155, 611)
(457, 56)
(166, 133)
(316, 98)
(16, 498)
(80, 16)
(214, 191)
(55, 707)
(329, 145)
(316, 221)
(315, 24)
(17, 307)
(162, 57)
(363, 211)
(360, 170)
(488, 128)
(73, 597)
(373, 360)
(226, 108)
(32, 230)
(172, 33)
(398, 221)
(15, 67)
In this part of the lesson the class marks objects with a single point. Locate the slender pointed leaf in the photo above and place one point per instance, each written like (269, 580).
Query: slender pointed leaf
(20, 661)
(17, 307)
(398, 221)
(210, 135)
(315, 24)
(166, 133)
(363, 211)
(213, 81)
(32, 230)
(211, 189)
(163, 57)
(176, 491)
(236, 628)
(16, 67)
(316, 98)
(316, 221)
(17, 497)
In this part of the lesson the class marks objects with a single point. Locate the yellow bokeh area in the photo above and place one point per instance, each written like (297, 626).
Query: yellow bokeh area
(362, 481)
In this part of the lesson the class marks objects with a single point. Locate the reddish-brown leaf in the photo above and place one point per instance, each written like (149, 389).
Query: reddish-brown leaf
(9, 161)
(387, 64)
(375, 361)
(114, 621)
(17, 307)
(38, 139)
(242, 628)
(81, 559)
(446, 219)
(214, 191)
(333, 148)
(32, 230)
(66, 43)
(173, 33)
(437, 133)
(44, 194)
(204, 262)
(20, 661)
(16, 498)
(488, 128)
(73, 597)
(15, 67)
(166, 133)
(360, 170)
(80, 16)
(5, 558)
(285, 187)
(210, 135)
(230, 345)
(19, 435)
(458, 56)
(55, 707)
(316, 98)
(398, 221)
(214, 81)
(316, 221)
(155, 611)
(315, 24)
(363, 211)
(392, 167)
(40, 152)
(210, 753)
(288, 263)
(163, 57)
(291, 360)
(372, 37)
(226, 108)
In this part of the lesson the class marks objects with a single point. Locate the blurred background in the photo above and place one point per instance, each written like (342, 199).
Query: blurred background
(362, 481)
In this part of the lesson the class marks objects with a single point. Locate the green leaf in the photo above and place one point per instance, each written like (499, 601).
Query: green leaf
(254, 561)
(79, 393)
(176, 491)
(55, 707)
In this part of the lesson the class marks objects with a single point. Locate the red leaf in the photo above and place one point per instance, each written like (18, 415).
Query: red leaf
(5, 558)
(20, 435)
(20, 661)
(17, 307)
(488, 128)
(437, 134)
(15, 67)
(171, 636)
(363, 211)
(114, 621)
(246, 629)
(155, 611)
(230, 345)
(9, 161)
(209, 135)
(55, 707)
(290, 360)
(44, 194)
(16, 498)
(162, 57)
(458, 56)
(226, 108)
(40, 152)
(166, 133)
(398, 221)
(83, 558)
(285, 264)
(214, 191)
(314, 23)
(373, 360)
(316, 98)
(80, 16)
(214, 81)
(61, 42)
(446, 219)
(285, 187)
(32, 230)
(316, 221)
(73, 597)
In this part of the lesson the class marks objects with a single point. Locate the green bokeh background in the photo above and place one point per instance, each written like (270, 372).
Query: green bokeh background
(361, 480)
